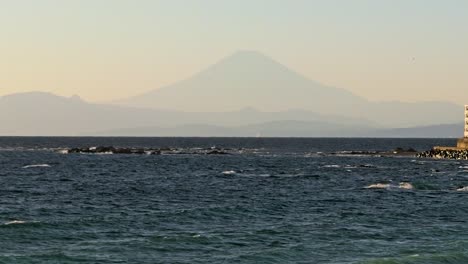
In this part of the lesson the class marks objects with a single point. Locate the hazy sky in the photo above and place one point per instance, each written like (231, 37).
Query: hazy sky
(405, 50)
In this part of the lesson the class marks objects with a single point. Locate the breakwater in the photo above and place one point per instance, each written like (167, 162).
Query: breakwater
(445, 153)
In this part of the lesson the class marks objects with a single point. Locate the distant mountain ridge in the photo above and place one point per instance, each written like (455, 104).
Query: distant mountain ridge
(246, 94)
(43, 114)
(288, 129)
(249, 78)
(434, 131)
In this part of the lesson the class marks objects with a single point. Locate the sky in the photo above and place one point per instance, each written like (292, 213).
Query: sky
(102, 50)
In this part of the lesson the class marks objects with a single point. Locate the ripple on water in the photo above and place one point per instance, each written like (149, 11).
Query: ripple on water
(279, 206)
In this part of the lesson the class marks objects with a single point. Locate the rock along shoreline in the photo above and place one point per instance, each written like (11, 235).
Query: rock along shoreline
(145, 151)
(434, 153)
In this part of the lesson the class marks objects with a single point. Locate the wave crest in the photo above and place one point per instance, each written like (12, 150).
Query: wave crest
(37, 166)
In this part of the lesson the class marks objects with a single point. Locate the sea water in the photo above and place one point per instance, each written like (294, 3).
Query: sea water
(272, 201)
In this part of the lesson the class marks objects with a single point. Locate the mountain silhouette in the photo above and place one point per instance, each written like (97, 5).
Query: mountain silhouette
(244, 94)
(246, 78)
(251, 79)
(289, 129)
(45, 114)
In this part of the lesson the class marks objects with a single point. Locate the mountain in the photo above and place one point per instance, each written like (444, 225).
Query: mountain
(249, 78)
(403, 114)
(434, 131)
(244, 94)
(289, 129)
(44, 114)
(244, 79)
(38, 114)
(268, 129)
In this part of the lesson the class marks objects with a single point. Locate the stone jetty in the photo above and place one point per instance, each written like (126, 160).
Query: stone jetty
(445, 153)
(460, 152)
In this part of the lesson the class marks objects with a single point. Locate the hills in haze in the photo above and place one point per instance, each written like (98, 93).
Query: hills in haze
(245, 94)
(251, 79)
(44, 114)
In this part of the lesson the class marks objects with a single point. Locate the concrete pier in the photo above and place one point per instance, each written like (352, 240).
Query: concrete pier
(462, 143)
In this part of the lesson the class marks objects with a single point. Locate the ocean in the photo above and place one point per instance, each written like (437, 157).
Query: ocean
(273, 200)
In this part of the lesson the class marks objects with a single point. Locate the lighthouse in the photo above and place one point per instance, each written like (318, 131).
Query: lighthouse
(460, 152)
(466, 121)
(462, 143)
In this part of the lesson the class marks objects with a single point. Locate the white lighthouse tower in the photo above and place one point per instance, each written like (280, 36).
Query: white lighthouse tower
(462, 143)
(466, 121)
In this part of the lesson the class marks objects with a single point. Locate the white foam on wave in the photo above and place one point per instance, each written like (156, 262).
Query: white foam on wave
(331, 166)
(350, 166)
(230, 172)
(104, 153)
(37, 166)
(314, 154)
(378, 186)
(406, 185)
(402, 185)
(15, 222)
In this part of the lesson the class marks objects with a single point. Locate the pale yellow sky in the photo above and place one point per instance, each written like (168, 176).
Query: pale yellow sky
(104, 50)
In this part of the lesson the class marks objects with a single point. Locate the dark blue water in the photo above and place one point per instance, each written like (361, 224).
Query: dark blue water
(288, 201)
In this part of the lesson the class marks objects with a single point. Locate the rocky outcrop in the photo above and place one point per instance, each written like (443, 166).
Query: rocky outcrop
(402, 150)
(392, 153)
(216, 152)
(111, 150)
(147, 151)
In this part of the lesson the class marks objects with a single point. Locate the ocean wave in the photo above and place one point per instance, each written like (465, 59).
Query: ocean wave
(37, 166)
(348, 166)
(15, 222)
(401, 185)
(314, 154)
(420, 162)
(230, 172)
(367, 166)
(442, 258)
(331, 166)
(31, 149)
